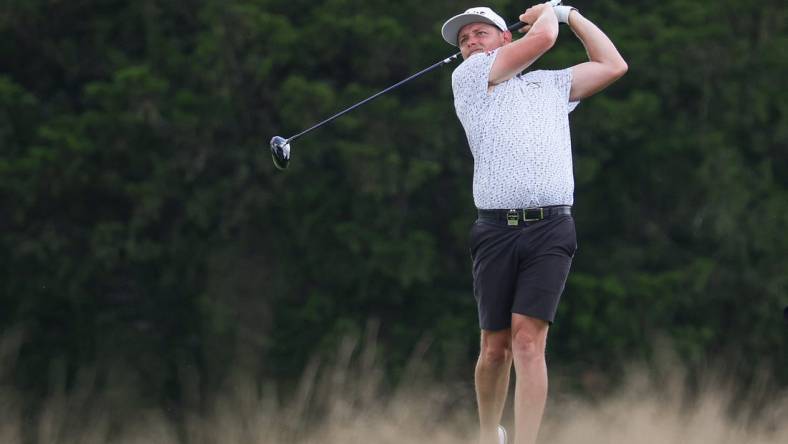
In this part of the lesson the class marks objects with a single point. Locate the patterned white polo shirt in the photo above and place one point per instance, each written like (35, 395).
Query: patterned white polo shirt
(518, 135)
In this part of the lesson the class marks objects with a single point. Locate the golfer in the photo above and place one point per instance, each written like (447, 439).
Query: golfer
(523, 241)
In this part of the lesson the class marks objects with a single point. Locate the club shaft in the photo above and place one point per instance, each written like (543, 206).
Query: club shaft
(373, 97)
(512, 27)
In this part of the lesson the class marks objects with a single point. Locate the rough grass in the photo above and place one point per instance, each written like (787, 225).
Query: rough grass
(346, 402)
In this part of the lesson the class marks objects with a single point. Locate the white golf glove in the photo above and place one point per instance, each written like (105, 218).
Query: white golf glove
(562, 12)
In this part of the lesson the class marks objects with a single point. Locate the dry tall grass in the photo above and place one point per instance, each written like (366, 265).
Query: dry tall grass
(347, 402)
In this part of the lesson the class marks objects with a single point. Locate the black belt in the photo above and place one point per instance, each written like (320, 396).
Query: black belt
(514, 216)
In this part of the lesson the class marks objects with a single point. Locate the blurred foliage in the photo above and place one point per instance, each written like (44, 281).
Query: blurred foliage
(142, 222)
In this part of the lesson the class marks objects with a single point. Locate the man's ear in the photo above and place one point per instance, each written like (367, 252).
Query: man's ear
(507, 37)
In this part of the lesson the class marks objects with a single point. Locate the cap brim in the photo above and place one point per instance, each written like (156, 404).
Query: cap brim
(453, 25)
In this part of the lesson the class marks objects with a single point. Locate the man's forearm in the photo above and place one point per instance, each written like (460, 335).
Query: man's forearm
(604, 66)
(547, 23)
(516, 56)
(598, 46)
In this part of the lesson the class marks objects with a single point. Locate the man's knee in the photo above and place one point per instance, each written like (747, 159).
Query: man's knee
(496, 356)
(496, 348)
(527, 345)
(529, 341)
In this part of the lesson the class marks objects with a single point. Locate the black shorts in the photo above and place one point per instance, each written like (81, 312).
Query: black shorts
(520, 269)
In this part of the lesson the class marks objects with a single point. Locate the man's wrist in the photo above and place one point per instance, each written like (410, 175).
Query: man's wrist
(562, 12)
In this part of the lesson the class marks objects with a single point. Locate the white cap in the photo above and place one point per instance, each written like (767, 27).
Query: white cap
(474, 15)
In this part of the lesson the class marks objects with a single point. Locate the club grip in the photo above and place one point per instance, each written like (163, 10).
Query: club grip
(515, 26)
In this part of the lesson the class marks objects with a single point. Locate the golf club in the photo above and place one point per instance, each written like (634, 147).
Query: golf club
(280, 147)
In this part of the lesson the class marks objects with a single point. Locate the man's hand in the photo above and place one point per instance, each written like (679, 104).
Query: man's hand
(531, 14)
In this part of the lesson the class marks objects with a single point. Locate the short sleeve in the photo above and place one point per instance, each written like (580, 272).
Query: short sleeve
(470, 81)
(563, 79)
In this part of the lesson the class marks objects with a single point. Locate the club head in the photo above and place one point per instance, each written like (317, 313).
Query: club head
(280, 150)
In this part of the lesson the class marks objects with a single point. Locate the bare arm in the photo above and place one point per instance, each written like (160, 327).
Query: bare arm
(605, 65)
(513, 58)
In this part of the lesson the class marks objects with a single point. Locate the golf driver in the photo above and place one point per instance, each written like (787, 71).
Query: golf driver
(280, 147)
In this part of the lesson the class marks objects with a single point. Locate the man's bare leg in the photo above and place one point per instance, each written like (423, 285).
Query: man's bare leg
(529, 338)
(492, 381)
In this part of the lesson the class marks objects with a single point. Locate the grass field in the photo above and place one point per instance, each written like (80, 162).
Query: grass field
(346, 402)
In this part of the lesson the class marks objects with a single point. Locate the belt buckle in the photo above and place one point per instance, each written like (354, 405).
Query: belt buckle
(513, 218)
(527, 219)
